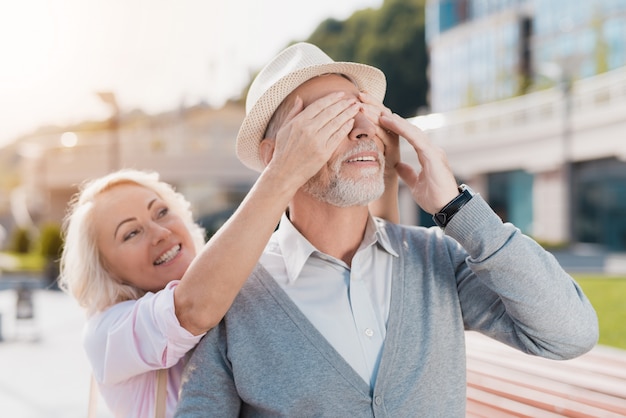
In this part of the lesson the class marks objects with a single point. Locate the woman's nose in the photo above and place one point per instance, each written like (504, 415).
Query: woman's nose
(159, 233)
(363, 128)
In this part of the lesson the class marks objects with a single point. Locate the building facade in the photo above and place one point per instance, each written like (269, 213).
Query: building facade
(530, 97)
(191, 148)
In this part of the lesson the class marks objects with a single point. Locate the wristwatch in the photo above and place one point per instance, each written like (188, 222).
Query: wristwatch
(442, 217)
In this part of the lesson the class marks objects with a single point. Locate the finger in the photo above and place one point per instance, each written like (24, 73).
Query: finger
(339, 126)
(415, 136)
(365, 97)
(373, 108)
(320, 105)
(407, 174)
(337, 137)
(319, 130)
(310, 125)
(324, 117)
(297, 108)
(373, 114)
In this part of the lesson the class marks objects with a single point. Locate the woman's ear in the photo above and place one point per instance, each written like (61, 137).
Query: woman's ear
(266, 150)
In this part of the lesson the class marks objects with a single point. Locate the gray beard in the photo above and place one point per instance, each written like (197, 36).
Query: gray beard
(345, 192)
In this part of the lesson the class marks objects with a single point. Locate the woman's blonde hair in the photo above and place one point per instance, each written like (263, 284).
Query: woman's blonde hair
(83, 273)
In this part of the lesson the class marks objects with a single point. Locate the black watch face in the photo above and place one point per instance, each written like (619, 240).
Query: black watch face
(440, 219)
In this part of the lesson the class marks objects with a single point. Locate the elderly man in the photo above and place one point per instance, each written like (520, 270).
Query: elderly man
(349, 315)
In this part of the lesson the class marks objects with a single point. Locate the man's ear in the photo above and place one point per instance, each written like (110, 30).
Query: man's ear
(266, 150)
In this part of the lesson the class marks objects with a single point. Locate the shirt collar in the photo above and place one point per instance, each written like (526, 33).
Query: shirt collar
(296, 249)
(377, 226)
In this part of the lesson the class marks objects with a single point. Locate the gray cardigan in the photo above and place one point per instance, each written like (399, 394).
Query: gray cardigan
(265, 359)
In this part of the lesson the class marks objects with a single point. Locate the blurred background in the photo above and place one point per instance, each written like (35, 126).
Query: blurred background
(527, 97)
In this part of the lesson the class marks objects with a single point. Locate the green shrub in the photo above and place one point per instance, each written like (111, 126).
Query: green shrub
(21, 241)
(50, 241)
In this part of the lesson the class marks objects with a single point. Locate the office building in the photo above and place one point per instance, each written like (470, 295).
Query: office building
(530, 100)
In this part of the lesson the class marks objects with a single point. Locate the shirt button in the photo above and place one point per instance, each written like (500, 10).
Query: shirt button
(378, 400)
(369, 332)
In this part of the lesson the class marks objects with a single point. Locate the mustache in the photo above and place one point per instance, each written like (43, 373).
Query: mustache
(363, 145)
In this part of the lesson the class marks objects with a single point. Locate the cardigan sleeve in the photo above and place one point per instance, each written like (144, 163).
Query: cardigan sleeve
(513, 290)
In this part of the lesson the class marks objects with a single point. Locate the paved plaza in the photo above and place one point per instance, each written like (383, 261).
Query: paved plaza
(44, 372)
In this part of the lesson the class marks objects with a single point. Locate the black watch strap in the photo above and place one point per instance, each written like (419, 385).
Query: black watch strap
(442, 217)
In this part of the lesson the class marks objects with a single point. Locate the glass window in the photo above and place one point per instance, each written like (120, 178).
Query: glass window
(600, 203)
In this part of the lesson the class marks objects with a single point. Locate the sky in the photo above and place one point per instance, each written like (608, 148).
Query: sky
(153, 55)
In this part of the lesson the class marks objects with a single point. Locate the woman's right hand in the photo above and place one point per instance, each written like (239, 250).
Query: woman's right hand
(309, 136)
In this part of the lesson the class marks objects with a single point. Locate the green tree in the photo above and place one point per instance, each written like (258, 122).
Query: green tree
(390, 38)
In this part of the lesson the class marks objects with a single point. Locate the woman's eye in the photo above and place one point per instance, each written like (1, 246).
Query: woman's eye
(163, 212)
(130, 234)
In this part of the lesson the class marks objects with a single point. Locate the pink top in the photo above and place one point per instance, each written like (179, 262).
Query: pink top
(128, 343)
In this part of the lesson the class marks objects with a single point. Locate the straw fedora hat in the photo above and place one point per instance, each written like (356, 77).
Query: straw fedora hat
(288, 70)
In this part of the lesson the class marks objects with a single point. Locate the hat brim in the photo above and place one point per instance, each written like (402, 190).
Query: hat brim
(367, 78)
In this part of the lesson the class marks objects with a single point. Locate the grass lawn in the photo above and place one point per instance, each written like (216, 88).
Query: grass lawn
(10, 261)
(608, 297)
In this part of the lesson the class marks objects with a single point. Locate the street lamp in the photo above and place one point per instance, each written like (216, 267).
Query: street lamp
(114, 124)
(568, 174)
(563, 78)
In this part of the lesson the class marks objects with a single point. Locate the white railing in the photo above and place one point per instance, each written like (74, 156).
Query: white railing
(596, 124)
(591, 95)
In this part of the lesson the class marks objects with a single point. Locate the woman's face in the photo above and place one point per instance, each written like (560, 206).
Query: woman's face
(142, 243)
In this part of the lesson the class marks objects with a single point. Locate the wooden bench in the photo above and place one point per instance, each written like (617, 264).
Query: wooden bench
(503, 382)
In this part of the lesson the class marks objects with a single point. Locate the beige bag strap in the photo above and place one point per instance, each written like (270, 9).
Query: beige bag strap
(161, 396)
(93, 398)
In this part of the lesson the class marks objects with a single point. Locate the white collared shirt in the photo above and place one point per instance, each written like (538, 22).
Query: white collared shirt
(348, 305)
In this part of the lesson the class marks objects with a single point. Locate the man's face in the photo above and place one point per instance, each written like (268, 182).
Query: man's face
(354, 174)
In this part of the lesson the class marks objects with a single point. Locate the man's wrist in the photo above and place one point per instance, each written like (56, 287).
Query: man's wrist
(443, 217)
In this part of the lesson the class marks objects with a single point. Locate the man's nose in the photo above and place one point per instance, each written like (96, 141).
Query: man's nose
(363, 128)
